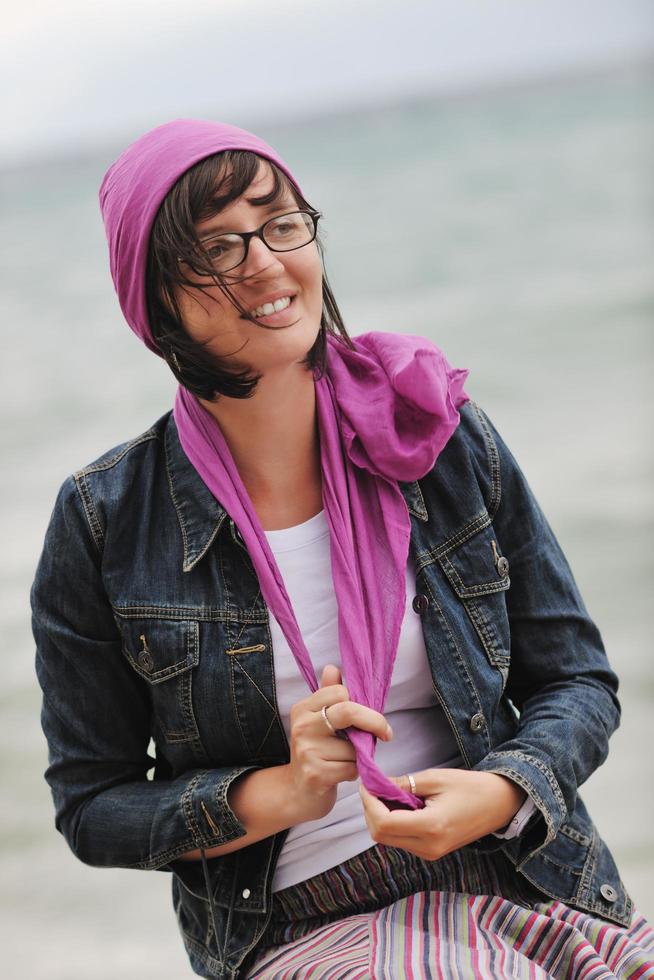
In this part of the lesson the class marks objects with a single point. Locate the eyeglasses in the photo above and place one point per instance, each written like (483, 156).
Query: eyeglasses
(283, 233)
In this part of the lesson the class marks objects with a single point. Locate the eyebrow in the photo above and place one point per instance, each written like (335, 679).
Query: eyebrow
(267, 209)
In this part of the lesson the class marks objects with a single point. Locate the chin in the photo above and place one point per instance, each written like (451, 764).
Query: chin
(289, 345)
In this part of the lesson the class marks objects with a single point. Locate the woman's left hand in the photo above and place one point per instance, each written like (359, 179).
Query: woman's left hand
(461, 806)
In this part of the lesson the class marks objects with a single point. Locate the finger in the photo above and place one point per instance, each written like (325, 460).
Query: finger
(327, 693)
(416, 845)
(332, 773)
(430, 844)
(348, 772)
(351, 714)
(429, 782)
(396, 823)
(405, 783)
(374, 809)
(376, 815)
(337, 750)
(330, 675)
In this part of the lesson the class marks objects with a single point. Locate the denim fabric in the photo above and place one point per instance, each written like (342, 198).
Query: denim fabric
(150, 624)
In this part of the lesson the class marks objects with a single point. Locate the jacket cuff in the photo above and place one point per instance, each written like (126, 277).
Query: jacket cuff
(542, 788)
(518, 822)
(209, 817)
(209, 820)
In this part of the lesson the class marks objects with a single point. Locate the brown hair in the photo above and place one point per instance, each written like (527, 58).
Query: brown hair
(201, 192)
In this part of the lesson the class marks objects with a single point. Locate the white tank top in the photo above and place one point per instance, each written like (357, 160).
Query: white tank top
(422, 737)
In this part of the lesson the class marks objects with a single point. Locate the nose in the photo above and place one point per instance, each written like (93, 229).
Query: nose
(261, 260)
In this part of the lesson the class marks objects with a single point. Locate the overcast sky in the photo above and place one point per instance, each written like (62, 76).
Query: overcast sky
(80, 72)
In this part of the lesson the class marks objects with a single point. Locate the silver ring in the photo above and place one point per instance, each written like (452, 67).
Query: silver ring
(323, 712)
(412, 783)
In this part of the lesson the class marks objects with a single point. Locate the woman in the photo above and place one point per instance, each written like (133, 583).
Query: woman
(351, 490)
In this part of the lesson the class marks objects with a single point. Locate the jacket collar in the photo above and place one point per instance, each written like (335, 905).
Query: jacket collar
(201, 516)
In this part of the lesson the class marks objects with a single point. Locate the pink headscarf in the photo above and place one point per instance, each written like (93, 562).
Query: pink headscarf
(385, 412)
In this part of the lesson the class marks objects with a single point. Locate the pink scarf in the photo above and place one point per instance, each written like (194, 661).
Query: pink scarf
(385, 412)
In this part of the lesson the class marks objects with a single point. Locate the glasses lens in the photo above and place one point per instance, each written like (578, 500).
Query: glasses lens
(289, 231)
(224, 252)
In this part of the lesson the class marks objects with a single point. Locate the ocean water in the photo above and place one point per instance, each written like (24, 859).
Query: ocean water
(516, 229)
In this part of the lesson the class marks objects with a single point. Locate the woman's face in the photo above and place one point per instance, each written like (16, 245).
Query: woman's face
(275, 341)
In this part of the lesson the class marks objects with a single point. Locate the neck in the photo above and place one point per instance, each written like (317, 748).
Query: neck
(273, 439)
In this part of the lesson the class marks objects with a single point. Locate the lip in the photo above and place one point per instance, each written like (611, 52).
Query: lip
(281, 315)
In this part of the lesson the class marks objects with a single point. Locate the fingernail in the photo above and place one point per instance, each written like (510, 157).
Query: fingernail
(389, 732)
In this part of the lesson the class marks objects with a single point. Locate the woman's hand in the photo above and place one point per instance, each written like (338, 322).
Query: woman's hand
(319, 759)
(461, 806)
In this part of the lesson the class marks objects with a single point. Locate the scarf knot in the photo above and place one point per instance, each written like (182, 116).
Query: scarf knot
(397, 400)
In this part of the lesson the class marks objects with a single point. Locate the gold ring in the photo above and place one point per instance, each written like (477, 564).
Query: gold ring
(412, 784)
(323, 712)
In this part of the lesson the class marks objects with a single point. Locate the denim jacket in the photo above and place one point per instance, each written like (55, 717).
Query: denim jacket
(151, 631)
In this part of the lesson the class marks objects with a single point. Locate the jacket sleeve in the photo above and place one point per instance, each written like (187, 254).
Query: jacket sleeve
(559, 680)
(96, 719)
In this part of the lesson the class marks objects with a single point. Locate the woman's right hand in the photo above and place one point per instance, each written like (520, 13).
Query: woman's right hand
(319, 759)
(274, 798)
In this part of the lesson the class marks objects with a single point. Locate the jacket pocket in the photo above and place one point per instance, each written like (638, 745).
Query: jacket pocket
(160, 649)
(479, 575)
(163, 653)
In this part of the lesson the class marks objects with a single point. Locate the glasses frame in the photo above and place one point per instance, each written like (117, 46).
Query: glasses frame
(247, 236)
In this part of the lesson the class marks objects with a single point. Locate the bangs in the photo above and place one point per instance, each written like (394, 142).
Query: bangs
(228, 179)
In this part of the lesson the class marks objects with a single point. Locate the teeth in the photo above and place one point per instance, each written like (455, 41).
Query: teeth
(268, 308)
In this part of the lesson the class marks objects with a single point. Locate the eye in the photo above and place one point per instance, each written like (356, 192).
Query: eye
(222, 244)
(287, 227)
(286, 222)
(223, 252)
(215, 250)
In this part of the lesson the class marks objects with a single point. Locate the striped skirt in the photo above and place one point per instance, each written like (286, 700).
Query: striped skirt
(387, 915)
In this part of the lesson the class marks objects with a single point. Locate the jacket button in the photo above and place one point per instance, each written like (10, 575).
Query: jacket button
(477, 722)
(503, 566)
(145, 661)
(246, 893)
(609, 893)
(420, 603)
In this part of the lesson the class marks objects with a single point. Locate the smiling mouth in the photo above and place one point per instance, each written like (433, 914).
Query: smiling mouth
(267, 309)
(277, 318)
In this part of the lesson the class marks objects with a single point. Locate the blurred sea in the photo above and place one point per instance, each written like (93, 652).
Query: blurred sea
(516, 229)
